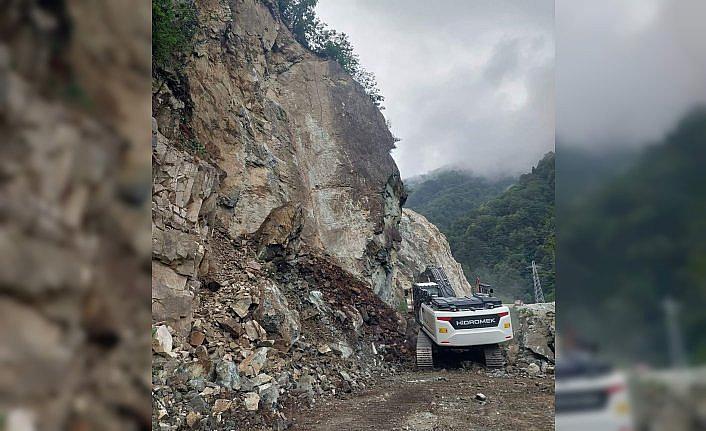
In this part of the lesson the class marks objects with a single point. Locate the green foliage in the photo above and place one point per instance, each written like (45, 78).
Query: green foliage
(300, 17)
(174, 24)
(195, 147)
(495, 235)
(637, 238)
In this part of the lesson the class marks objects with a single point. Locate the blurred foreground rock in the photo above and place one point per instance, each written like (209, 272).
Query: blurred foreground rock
(74, 215)
(673, 400)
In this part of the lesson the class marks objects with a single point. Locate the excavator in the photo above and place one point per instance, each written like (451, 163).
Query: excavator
(447, 321)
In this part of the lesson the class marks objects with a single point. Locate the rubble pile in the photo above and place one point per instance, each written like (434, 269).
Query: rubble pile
(532, 349)
(267, 337)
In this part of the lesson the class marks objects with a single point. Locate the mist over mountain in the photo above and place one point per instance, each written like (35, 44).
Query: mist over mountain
(444, 196)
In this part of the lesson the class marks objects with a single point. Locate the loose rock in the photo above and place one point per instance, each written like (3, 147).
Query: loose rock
(162, 340)
(252, 401)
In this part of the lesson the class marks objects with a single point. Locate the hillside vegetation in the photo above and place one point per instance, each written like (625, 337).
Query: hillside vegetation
(495, 236)
(638, 239)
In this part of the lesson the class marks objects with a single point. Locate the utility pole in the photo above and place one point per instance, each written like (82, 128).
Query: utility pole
(676, 344)
(538, 294)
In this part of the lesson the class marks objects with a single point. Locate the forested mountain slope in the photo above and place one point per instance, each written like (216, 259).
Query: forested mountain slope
(637, 240)
(496, 238)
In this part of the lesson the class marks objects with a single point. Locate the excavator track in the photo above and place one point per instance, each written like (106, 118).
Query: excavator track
(425, 359)
(493, 356)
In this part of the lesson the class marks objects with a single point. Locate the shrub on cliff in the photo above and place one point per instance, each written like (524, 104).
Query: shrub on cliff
(173, 27)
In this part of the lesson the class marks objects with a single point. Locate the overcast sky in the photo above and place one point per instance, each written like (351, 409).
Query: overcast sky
(627, 70)
(467, 83)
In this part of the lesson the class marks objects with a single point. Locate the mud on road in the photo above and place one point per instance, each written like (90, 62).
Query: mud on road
(439, 400)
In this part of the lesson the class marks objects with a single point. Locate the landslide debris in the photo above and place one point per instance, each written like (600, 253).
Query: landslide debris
(274, 336)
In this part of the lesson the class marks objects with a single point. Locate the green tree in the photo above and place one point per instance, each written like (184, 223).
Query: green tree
(300, 17)
(632, 241)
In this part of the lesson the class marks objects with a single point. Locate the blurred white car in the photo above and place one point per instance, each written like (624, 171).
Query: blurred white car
(590, 396)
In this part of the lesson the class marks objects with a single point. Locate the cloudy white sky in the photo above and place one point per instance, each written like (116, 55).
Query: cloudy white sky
(627, 70)
(467, 83)
(471, 82)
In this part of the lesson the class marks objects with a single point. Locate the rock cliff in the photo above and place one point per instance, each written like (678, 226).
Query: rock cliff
(293, 149)
(423, 245)
(275, 212)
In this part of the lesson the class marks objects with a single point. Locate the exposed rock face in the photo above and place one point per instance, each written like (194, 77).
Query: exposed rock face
(535, 330)
(423, 245)
(183, 197)
(303, 151)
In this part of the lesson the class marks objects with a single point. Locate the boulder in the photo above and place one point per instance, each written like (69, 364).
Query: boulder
(162, 340)
(277, 317)
(261, 379)
(342, 348)
(254, 331)
(227, 374)
(172, 301)
(231, 325)
(220, 406)
(278, 235)
(180, 250)
(255, 362)
(269, 392)
(533, 369)
(242, 304)
(192, 419)
(355, 317)
(535, 331)
(196, 338)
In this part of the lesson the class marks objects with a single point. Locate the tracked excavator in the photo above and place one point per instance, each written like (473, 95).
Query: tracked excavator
(447, 321)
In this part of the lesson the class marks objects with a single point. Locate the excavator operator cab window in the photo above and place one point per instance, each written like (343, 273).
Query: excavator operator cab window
(432, 291)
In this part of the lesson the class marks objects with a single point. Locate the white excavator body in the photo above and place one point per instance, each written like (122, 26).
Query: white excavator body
(447, 321)
(468, 327)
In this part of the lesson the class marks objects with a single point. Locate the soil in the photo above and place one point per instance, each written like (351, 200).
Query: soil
(439, 400)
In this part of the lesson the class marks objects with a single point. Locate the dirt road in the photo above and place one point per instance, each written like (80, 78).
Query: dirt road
(439, 400)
